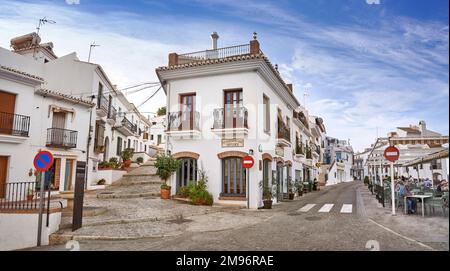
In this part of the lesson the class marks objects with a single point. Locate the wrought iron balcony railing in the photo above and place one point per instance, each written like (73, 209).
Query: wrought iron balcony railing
(102, 103)
(283, 131)
(184, 121)
(61, 138)
(299, 149)
(112, 113)
(237, 50)
(129, 125)
(13, 124)
(230, 118)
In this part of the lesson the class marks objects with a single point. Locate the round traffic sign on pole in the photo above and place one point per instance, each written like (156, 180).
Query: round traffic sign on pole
(391, 153)
(43, 161)
(248, 162)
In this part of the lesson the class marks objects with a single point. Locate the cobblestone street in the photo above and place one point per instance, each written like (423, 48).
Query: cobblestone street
(302, 224)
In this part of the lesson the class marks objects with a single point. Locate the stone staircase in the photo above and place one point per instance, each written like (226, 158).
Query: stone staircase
(140, 182)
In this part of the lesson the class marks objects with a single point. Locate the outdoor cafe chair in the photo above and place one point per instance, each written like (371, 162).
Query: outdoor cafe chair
(432, 203)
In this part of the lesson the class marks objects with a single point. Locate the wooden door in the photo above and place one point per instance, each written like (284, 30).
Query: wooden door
(7, 106)
(3, 173)
(187, 102)
(58, 125)
(232, 105)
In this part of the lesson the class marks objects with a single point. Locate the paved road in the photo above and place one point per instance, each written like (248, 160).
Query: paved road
(330, 219)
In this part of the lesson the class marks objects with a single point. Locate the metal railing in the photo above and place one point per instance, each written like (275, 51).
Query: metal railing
(184, 121)
(61, 138)
(299, 149)
(230, 117)
(102, 103)
(236, 50)
(283, 131)
(21, 196)
(112, 113)
(13, 124)
(129, 125)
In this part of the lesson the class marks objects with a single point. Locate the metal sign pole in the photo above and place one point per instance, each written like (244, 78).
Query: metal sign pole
(41, 208)
(248, 189)
(392, 189)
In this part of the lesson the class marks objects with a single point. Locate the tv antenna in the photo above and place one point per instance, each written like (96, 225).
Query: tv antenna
(90, 50)
(38, 28)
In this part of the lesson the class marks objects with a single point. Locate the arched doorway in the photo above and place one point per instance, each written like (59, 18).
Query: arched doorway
(106, 152)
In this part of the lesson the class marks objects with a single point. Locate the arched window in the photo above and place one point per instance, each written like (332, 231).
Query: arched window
(233, 177)
(187, 171)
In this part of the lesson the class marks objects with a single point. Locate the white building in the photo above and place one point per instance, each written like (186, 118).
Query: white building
(414, 142)
(338, 157)
(224, 104)
(158, 131)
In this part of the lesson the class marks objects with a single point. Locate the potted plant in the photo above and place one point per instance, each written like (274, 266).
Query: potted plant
(30, 194)
(165, 166)
(267, 195)
(299, 188)
(140, 160)
(101, 182)
(291, 189)
(126, 156)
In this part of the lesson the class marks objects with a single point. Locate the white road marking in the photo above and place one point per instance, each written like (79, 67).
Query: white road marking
(347, 208)
(326, 208)
(306, 208)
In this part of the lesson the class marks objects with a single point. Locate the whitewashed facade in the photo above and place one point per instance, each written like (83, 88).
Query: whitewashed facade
(224, 104)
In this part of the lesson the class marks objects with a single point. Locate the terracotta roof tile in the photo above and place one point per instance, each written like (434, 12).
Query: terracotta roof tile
(74, 99)
(21, 73)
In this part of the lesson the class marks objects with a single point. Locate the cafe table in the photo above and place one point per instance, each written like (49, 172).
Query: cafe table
(422, 197)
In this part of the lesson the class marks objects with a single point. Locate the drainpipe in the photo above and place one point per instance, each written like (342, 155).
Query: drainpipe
(88, 144)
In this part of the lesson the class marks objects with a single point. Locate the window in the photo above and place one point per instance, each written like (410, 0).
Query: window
(267, 165)
(119, 146)
(266, 114)
(151, 137)
(233, 177)
(338, 157)
(187, 172)
(100, 93)
(233, 103)
(99, 135)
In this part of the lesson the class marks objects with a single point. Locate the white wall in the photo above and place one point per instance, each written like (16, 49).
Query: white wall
(20, 230)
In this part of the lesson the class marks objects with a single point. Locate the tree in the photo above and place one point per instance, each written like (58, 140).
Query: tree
(161, 111)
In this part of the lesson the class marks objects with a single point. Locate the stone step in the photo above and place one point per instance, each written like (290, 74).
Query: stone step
(127, 195)
(131, 178)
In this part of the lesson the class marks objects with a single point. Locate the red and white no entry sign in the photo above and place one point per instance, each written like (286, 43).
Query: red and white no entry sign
(391, 153)
(248, 162)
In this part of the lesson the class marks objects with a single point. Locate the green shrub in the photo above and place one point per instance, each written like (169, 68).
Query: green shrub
(166, 165)
(197, 193)
(101, 182)
(140, 160)
(127, 154)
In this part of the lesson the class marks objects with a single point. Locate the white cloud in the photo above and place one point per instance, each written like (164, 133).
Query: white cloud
(373, 2)
(73, 2)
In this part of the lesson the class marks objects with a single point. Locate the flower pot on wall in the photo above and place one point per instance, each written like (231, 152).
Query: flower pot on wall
(267, 204)
(127, 163)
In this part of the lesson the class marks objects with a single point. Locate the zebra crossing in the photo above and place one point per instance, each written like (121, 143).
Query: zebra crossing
(326, 208)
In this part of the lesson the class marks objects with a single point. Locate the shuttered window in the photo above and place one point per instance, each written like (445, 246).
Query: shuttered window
(119, 146)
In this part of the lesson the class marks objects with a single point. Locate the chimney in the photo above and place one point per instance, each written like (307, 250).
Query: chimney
(214, 37)
(254, 45)
(423, 126)
(173, 59)
(290, 87)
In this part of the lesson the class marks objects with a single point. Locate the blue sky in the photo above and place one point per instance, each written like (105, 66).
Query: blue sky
(366, 67)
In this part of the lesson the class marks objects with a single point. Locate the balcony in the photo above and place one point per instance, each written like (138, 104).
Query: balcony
(112, 116)
(237, 50)
(283, 134)
(126, 127)
(308, 152)
(14, 128)
(102, 106)
(300, 151)
(184, 124)
(230, 121)
(61, 138)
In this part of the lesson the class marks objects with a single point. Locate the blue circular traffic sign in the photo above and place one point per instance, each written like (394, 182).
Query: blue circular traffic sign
(43, 161)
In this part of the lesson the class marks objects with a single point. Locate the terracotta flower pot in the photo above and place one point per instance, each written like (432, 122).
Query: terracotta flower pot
(165, 193)
(267, 204)
(127, 163)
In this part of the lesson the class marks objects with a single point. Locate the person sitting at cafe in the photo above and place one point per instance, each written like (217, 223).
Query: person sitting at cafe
(427, 183)
(404, 190)
(442, 186)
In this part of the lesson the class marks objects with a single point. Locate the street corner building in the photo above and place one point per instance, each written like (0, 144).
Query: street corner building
(68, 107)
(226, 103)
